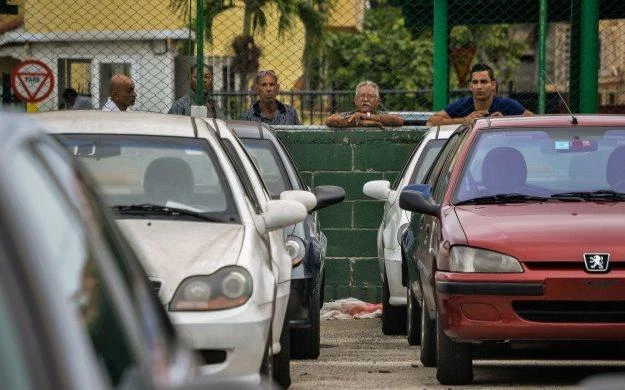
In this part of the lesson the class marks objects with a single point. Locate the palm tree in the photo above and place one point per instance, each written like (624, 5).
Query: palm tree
(247, 53)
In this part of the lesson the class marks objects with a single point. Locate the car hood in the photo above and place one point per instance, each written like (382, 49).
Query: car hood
(546, 230)
(171, 251)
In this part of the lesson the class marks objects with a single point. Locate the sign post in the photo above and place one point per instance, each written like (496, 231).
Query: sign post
(32, 81)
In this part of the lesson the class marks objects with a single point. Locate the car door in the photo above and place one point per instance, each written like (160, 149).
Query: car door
(426, 248)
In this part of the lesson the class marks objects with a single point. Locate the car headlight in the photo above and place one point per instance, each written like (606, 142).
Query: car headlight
(467, 259)
(295, 249)
(228, 287)
(400, 232)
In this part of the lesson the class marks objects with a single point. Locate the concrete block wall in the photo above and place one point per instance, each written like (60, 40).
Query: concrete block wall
(349, 158)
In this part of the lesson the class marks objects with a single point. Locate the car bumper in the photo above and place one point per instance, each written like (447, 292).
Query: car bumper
(556, 307)
(235, 339)
(393, 275)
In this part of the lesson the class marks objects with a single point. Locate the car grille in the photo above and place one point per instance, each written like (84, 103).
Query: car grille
(156, 285)
(571, 311)
(566, 265)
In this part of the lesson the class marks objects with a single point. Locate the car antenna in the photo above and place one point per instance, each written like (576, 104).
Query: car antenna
(573, 118)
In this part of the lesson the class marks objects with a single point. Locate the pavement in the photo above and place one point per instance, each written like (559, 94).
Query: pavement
(356, 355)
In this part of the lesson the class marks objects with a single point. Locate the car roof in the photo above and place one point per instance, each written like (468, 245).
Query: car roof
(248, 129)
(105, 122)
(559, 120)
(441, 132)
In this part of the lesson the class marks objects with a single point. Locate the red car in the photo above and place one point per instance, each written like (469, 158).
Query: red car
(520, 237)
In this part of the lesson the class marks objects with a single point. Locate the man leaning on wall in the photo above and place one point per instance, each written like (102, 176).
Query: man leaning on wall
(367, 114)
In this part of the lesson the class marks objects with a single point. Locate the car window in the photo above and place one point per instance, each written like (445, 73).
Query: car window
(179, 173)
(268, 162)
(543, 162)
(434, 173)
(62, 237)
(157, 329)
(403, 173)
(429, 153)
(242, 174)
(301, 184)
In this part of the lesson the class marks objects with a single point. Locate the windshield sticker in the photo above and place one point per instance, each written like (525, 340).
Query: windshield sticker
(562, 145)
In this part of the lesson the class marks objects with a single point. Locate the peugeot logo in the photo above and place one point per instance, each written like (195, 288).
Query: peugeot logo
(596, 262)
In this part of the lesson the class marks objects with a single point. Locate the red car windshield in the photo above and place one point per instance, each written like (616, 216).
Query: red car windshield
(542, 162)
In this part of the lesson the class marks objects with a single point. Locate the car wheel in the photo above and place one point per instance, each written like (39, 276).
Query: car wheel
(454, 364)
(428, 338)
(413, 315)
(393, 317)
(282, 360)
(305, 342)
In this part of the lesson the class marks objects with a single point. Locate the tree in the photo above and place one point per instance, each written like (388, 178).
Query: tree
(247, 53)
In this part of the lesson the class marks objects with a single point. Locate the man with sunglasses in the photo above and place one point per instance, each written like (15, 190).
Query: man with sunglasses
(367, 114)
(268, 109)
(482, 103)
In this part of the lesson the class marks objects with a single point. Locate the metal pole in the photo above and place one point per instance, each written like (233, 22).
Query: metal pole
(542, 54)
(575, 56)
(441, 60)
(589, 65)
(199, 32)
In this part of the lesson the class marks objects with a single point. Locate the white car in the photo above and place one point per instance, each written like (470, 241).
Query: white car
(395, 221)
(190, 200)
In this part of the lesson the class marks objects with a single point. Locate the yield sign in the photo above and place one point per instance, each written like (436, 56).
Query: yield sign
(32, 81)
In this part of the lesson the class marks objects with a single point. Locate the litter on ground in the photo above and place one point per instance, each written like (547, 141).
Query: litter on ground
(350, 308)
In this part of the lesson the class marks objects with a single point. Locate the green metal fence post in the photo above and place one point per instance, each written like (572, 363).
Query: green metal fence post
(199, 31)
(441, 59)
(575, 55)
(542, 54)
(589, 65)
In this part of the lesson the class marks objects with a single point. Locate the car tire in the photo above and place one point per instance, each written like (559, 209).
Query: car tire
(282, 360)
(305, 343)
(393, 317)
(454, 363)
(428, 338)
(413, 317)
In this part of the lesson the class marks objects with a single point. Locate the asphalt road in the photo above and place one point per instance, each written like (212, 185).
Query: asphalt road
(356, 355)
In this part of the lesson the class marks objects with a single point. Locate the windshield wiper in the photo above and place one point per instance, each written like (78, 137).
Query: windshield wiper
(592, 195)
(504, 198)
(150, 208)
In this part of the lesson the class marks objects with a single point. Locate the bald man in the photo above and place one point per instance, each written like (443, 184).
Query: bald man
(122, 93)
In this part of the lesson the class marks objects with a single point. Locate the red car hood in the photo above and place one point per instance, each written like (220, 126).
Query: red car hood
(554, 231)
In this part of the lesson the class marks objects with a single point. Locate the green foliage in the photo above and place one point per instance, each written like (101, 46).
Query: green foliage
(384, 52)
(496, 46)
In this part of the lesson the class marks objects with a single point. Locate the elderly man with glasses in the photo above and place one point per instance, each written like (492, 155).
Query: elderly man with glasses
(268, 109)
(367, 114)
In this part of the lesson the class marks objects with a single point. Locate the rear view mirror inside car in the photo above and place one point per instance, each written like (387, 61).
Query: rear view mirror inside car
(96, 150)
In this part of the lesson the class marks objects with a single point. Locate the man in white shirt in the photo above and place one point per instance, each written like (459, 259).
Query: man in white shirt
(122, 93)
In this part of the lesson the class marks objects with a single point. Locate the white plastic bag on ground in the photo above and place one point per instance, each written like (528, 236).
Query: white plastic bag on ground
(349, 308)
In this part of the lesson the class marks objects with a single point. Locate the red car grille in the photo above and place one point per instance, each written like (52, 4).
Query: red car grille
(571, 311)
(566, 265)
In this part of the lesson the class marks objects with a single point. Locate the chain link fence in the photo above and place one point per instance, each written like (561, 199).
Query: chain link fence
(320, 50)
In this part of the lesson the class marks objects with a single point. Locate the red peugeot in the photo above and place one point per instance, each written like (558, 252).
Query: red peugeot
(520, 236)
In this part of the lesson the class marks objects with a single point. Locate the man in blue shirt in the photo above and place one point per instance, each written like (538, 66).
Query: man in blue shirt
(483, 103)
(268, 109)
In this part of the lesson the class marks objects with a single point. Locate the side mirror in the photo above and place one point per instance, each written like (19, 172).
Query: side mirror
(306, 198)
(327, 195)
(282, 213)
(416, 198)
(377, 189)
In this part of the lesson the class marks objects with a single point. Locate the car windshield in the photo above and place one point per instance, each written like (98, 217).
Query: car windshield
(559, 164)
(269, 165)
(156, 176)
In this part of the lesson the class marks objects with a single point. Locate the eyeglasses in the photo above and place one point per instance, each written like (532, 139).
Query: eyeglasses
(369, 96)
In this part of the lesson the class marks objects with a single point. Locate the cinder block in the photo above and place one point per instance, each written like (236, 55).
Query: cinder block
(338, 271)
(382, 156)
(336, 216)
(368, 214)
(351, 182)
(366, 272)
(322, 157)
(351, 243)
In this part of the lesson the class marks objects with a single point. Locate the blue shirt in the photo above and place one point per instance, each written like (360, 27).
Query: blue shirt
(463, 107)
(286, 115)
